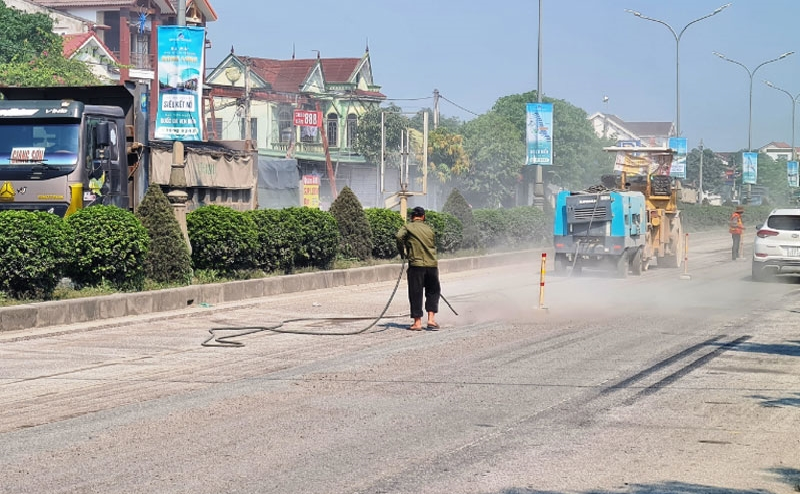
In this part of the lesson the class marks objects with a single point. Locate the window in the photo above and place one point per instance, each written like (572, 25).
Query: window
(214, 127)
(285, 124)
(352, 130)
(332, 126)
(253, 128)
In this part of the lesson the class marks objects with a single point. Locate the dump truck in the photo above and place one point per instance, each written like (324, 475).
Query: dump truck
(627, 222)
(66, 148)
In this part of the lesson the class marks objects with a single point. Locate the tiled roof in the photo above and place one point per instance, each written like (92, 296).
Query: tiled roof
(66, 4)
(203, 5)
(74, 42)
(288, 75)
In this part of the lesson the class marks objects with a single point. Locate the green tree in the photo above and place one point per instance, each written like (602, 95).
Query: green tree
(577, 151)
(497, 153)
(713, 170)
(368, 142)
(446, 154)
(458, 207)
(451, 124)
(772, 174)
(32, 55)
(168, 260)
(355, 233)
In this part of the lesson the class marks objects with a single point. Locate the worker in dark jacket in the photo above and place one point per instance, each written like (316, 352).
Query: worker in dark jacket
(415, 242)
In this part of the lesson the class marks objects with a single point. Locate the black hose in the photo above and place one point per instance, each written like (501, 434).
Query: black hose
(225, 341)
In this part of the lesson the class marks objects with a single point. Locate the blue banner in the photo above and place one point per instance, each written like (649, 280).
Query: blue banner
(539, 134)
(681, 147)
(792, 173)
(749, 168)
(180, 83)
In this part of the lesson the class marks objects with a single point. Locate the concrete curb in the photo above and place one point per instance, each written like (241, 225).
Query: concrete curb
(65, 312)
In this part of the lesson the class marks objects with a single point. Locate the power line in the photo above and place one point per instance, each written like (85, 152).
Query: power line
(459, 106)
(408, 99)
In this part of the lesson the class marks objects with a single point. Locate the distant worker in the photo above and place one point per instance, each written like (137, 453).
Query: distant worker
(415, 242)
(736, 227)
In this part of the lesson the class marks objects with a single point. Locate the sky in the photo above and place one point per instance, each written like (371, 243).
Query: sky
(475, 52)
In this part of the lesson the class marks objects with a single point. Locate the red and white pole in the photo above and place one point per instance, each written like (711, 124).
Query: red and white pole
(541, 280)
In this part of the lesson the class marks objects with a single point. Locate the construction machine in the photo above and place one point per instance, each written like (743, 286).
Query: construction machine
(627, 222)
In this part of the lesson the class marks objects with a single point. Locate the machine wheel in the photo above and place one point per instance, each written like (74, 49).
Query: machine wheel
(636, 263)
(560, 264)
(622, 266)
(675, 260)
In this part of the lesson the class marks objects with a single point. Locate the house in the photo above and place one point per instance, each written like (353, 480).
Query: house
(778, 150)
(88, 48)
(648, 133)
(128, 27)
(341, 90)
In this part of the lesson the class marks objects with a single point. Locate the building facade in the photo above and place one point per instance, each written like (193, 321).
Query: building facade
(267, 92)
(654, 134)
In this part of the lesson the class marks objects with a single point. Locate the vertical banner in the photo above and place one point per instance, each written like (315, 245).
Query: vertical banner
(681, 147)
(311, 191)
(749, 168)
(792, 173)
(539, 133)
(180, 83)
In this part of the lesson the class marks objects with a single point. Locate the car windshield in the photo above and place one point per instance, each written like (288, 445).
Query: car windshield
(54, 144)
(784, 222)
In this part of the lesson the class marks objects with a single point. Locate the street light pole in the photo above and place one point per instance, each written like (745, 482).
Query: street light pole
(751, 74)
(677, 37)
(794, 106)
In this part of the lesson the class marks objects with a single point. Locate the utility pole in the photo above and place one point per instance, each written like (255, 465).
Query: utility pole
(248, 121)
(538, 185)
(700, 180)
(435, 109)
(178, 196)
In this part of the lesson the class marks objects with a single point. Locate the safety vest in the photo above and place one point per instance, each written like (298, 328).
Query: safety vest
(735, 225)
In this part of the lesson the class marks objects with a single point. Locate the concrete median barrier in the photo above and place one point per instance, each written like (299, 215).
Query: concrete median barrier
(64, 312)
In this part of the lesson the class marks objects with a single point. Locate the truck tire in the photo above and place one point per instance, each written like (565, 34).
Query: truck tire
(622, 266)
(637, 267)
(560, 264)
(674, 260)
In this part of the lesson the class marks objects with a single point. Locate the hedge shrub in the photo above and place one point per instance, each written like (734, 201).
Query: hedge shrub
(458, 207)
(493, 228)
(35, 249)
(222, 239)
(168, 260)
(355, 235)
(447, 228)
(696, 218)
(318, 242)
(384, 224)
(528, 227)
(111, 246)
(278, 233)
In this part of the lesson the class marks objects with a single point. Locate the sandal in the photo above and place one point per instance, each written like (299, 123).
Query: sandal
(433, 325)
(412, 328)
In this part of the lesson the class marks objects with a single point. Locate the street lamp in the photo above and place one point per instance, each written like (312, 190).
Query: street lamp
(751, 74)
(677, 37)
(794, 106)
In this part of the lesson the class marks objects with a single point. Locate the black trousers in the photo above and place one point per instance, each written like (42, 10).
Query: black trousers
(423, 281)
(737, 238)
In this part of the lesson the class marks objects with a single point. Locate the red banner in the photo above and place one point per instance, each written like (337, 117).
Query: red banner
(306, 118)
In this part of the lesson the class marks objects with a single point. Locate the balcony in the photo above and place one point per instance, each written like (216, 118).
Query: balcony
(315, 151)
(143, 61)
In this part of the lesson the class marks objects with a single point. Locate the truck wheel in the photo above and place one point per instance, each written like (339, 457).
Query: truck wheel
(636, 263)
(622, 266)
(560, 264)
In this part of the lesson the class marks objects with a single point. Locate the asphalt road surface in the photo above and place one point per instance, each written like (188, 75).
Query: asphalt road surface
(651, 384)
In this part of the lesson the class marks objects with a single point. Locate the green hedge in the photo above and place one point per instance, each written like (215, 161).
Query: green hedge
(35, 249)
(222, 239)
(447, 229)
(278, 233)
(384, 224)
(318, 236)
(697, 218)
(111, 246)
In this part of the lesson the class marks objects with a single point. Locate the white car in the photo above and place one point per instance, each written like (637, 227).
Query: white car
(776, 249)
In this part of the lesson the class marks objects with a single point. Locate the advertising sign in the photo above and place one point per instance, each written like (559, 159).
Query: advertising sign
(792, 173)
(305, 118)
(681, 147)
(311, 191)
(180, 83)
(749, 168)
(539, 133)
